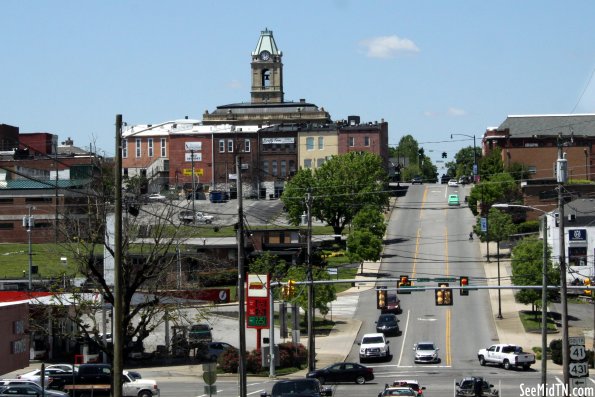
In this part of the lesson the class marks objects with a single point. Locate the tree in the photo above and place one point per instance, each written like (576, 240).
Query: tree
(491, 164)
(500, 226)
(527, 265)
(501, 188)
(464, 158)
(323, 293)
(149, 246)
(365, 241)
(338, 188)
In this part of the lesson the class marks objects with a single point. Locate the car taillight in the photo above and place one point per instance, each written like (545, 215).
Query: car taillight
(155, 386)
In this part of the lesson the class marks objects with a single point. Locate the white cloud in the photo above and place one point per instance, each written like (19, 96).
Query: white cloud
(456, 112)
(387, 46)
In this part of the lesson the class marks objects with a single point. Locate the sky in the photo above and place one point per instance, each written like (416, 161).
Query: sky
(428, 68)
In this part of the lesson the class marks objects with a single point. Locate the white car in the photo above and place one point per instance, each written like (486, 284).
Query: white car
(374, 346)
(63, 367)
(426, 352)
(156, 197)
(453, 183)
(35, 375)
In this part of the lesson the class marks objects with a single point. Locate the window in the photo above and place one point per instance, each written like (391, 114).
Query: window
(230, 145)
(163, 147)
(320, 142)
(150, 146)
(283, 168)
(265, 168)
(138, 149)
(532, 169)
(38, 200)
(319, 162)
(6, 225)
(221, 145)
(247, 145)
(309, 143)
(274, 167)
(367, 141)
(351, 141)
(307, 163)
(5, 200)
(125, 148)
(291, 166)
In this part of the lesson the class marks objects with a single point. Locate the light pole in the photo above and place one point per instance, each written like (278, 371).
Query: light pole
(475, 170)
(29, 222)
(543, 288)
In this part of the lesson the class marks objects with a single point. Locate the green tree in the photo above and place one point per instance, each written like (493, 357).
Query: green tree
(518, 171)
(527, 265)
(323, 293)
(463, 164)
(339, 189)
(500, 226)
(369, 218)
(491, 165)
(501, 188)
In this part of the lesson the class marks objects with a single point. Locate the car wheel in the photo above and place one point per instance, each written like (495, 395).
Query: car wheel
(322, 380)
(526, 367)
(145, 393)
(360, 380)
(482, 361)
(507, 364)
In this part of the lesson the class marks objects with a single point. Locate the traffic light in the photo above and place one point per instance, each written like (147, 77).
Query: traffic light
(290, 288)
(587, 282)
(444, 155)
(403, 282)
(285, 291)
(443, 295)
(381, 298)
(464, 282)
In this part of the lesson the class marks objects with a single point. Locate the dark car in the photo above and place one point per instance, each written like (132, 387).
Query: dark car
(416, 179)
(308, 387)
(388, 324)
(343, 372)
(217, 348)
(29, 391)
(393, 305)
(472, 386)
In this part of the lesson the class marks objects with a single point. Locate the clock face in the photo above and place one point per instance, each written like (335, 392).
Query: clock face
(265, 55)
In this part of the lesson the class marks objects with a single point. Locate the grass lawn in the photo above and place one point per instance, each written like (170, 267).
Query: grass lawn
(532, 322)
(14, 260)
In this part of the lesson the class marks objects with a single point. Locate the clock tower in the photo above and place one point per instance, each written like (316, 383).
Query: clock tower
(267, 71)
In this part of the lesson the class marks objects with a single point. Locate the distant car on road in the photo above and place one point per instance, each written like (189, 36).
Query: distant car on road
(31, 390)
(393, 304)
(374, 346)
(187, 216)
(472, 386)
(217, 348)
(416, 179)
(156, 197)
(310, 387)
(397, 391)
(426, 352)
(453, 183)
(343, 372)
(453, 199)
(412, 384)
(388, 324)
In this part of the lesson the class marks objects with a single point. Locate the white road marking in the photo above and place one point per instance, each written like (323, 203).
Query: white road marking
(404, 335)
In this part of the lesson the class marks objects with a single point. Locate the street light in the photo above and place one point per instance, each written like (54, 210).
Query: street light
(543, 288)
(474, 155)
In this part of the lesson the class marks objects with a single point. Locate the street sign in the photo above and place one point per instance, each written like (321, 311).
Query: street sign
(188, 171)
(578, 382)
(484, 224)
(422, 280)
(209, 377)
(577, 353)
(445, 280)
(578, 370)
(576, 340)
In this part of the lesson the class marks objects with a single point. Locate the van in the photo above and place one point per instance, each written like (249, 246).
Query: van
(200, 333)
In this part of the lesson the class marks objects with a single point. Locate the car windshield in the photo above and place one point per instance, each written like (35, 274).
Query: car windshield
(399, 392)
(372, 339)
(425, 346)
(386, 319)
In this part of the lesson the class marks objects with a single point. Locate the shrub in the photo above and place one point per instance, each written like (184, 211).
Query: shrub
(292, 355)
(254, 362)
(528, 227)
(229, 361)
(556, 351)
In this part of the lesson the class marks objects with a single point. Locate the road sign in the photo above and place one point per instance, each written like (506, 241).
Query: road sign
(445, 280)
(209, 374)
(578, 370)
(578, 382)
(484, 224)
(577, 352)
(576, 340)
(422, 280)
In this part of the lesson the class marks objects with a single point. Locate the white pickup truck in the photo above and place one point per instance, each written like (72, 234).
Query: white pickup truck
(506, 355)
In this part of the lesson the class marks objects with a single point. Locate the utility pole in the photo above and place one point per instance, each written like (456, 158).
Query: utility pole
(193, 187)
(30, 222)
(311, 328)
(118, 364)
(241, 284)
(561, 168)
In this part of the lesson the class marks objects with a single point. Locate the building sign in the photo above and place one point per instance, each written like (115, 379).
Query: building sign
(197, 156)
(196, 146)
(577, 235)
(280, 141)
(188, 171)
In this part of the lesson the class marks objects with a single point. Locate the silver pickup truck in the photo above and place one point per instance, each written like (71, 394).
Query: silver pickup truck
(508, 356)
(187, 216)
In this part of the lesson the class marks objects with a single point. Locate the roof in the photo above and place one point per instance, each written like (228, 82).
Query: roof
(266, 41)
(549, 125)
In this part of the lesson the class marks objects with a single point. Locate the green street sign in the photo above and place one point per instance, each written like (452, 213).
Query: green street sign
(445, 280)
(423, 280)
(257, 321)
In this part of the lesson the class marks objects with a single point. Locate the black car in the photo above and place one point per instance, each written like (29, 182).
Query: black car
(298, 387)
(343, 372)
(472, 386)
(388, 324)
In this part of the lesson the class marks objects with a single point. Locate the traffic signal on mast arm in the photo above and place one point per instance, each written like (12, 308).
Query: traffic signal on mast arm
(443, 295)
(381, 298)
(403, 282)
(587, 282)
(464, 282)
(444, 155)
